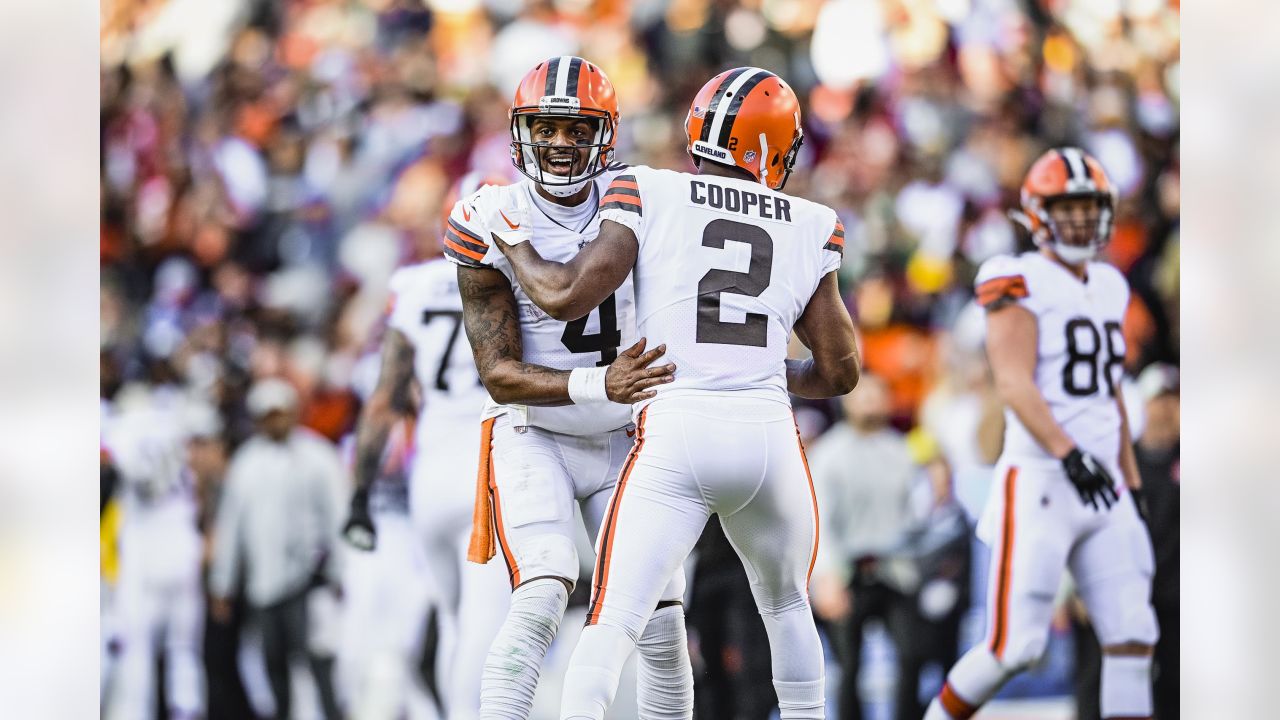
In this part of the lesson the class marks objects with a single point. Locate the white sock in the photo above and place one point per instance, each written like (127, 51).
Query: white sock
(1126, 687)
(664, 675)
(801, 700)
(515, 660)
(595, 668)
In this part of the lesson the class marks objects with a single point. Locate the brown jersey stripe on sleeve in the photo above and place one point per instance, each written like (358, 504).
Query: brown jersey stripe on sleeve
(467, 233)
(616, 190)
(460, 258)
(464, 242)
(622, 205)
(1013, 286)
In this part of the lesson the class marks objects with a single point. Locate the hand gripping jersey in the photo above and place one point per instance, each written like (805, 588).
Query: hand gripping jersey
(591, 341)
(725, 268)
(427, 309)
(1080, 351)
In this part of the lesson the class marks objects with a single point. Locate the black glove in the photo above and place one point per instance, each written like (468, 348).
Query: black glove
(1091, 479)
(359, 531)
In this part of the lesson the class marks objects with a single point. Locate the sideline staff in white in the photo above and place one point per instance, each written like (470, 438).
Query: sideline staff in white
(277, 526)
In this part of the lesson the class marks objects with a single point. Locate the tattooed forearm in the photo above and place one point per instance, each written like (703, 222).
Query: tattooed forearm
(493, 327)
(392, 397)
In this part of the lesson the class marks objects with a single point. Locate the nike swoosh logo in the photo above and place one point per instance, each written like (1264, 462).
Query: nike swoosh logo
(466, 215)
(508, 221)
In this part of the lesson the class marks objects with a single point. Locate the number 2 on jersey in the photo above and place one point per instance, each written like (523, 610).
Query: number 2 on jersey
(605, 342)
(754, 331)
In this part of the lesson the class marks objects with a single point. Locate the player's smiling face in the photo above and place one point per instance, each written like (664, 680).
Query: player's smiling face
(569, 141)
(1076, 219)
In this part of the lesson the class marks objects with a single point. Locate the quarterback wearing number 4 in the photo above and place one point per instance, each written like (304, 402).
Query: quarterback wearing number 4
(557, 428)
(725, 267)
(1056, 349)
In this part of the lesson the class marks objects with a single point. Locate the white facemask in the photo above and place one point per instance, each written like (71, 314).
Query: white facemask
(565, 190)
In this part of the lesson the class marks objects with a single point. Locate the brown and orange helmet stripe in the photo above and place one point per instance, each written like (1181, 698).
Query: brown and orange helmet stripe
(749, 118)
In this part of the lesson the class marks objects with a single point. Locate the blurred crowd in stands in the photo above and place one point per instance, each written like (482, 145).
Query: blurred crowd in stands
(267, 164)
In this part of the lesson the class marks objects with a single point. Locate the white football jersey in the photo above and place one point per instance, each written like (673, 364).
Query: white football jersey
(1080, 353)
(427, 309)
(591, 341)
(725, 268)
(145, 434)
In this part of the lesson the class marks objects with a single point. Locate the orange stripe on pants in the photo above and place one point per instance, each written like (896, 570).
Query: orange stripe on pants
(607, 531)
(813, 495)
(1000, 633)
(513, 570)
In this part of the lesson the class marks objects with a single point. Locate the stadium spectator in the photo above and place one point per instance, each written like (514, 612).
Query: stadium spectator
(730, 649)
(863, 474)
(1158, 456)
(277, 529)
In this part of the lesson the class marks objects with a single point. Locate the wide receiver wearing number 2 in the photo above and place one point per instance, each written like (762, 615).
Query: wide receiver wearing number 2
(725, 267)
(555, 432)
(1055, 345)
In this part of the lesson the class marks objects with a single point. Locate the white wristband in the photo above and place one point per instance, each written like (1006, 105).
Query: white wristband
(587, 385)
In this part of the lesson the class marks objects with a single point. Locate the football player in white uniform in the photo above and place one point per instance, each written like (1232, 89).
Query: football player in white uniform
(556, 429)
(423, 342)
(1056, 348)
(159, 598)
(725, 267)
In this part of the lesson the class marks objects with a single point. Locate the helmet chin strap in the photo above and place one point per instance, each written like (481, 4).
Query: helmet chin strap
(1075, 254)
(564, 190)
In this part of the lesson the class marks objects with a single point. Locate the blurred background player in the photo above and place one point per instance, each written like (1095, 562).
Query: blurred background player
(386, 612)
(1156, 449)
(555, 433)
(276, 534)
(864, 474)
(1055, 342)
(427, 362)
(158, 603)
(728, 644)
(1158, 453)
(722, 438)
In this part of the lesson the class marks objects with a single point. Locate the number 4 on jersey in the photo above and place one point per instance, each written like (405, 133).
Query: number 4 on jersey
(605, 342)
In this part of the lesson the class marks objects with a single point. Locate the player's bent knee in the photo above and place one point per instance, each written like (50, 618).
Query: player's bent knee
(789, 602)
(550, 555)
(1022, 653)
(1138, 628)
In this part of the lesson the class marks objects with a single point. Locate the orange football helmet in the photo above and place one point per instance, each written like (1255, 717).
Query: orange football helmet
(749, 118)
(1060, 173)
(564, 86)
